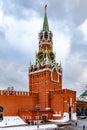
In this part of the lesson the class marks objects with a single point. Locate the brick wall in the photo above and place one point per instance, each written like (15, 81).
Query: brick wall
(14, 103)
(61, 100)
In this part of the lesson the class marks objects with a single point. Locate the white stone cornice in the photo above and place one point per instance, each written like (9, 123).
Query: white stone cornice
(41, 70)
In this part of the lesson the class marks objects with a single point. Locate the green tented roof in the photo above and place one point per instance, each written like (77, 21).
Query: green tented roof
(45, 23)
(84, 94)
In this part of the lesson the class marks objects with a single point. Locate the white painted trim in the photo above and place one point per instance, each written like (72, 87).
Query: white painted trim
(42, 70)
(45, 42)
(57, 73)
(55, 81)
(38, 71)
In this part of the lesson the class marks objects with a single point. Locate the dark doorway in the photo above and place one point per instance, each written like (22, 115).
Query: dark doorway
(1, 117)
(1, 113)
(44, 118)
(70, 113)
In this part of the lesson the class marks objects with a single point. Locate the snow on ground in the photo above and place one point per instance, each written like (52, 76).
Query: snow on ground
(34, 127)
(16, 123)
(66, 118)
(11, 120)
(74, 117)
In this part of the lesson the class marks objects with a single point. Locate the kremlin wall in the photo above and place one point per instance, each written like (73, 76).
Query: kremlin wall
(46, 98)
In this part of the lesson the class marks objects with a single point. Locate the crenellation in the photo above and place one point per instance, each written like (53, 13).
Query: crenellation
(57, 91)
(16, 93)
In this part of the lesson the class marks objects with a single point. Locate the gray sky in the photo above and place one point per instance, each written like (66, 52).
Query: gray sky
(20, 23)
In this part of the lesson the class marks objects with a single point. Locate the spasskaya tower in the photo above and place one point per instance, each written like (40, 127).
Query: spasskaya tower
(46, 74)
(45, 87)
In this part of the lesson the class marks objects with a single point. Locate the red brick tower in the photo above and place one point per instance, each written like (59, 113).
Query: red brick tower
(45, 75)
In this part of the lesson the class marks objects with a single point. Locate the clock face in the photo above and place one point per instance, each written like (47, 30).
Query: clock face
(40, 55)
(51, 55)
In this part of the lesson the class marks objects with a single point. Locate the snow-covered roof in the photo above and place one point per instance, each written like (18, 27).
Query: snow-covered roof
(84, 93)
(83, 97)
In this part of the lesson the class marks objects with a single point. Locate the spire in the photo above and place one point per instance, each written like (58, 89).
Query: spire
(45, 23)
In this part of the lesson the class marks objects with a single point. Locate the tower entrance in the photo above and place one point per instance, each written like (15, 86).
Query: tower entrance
(70, 113)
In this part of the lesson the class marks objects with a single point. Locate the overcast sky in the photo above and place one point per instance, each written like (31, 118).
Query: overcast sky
(20, 23)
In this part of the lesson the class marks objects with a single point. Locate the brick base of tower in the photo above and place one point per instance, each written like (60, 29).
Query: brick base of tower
(42, 81)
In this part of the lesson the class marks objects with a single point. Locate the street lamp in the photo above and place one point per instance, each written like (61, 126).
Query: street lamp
(38, 109)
